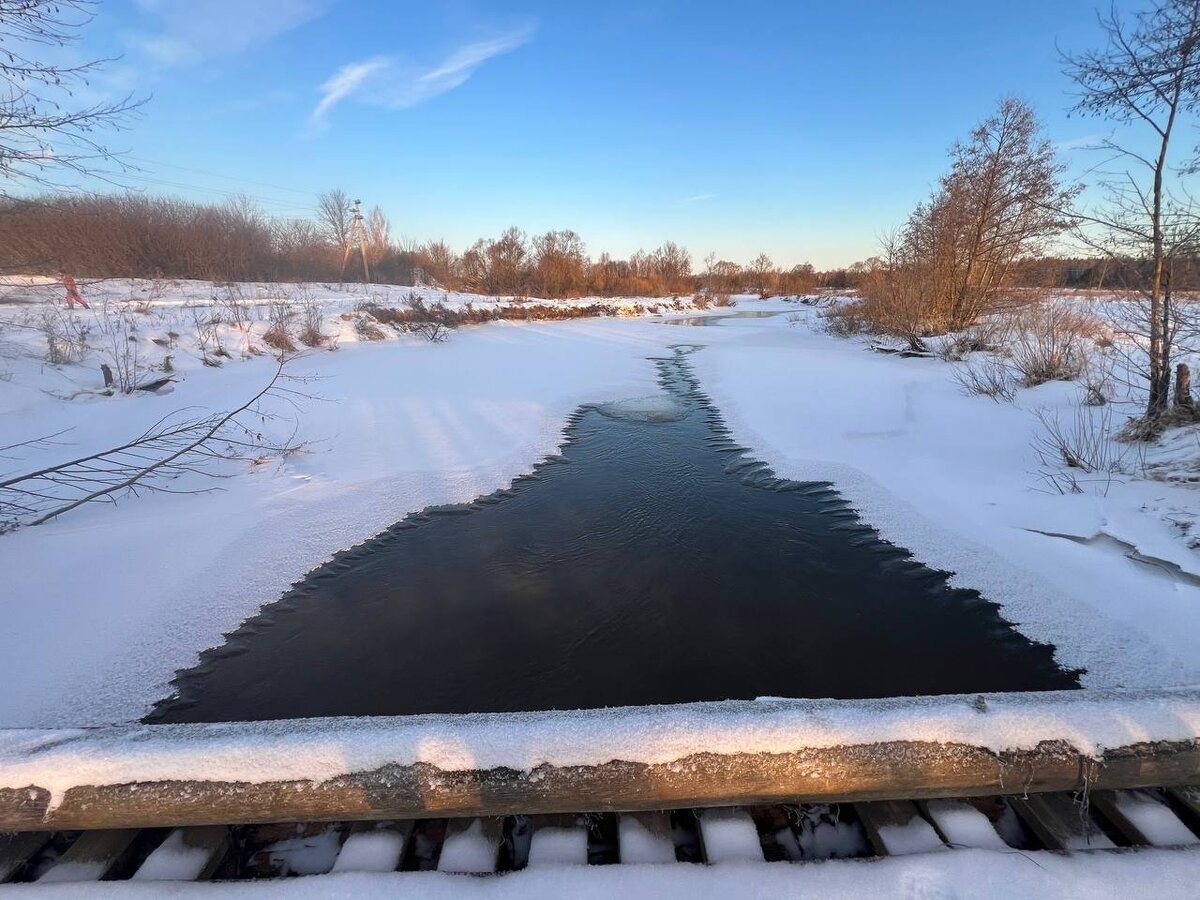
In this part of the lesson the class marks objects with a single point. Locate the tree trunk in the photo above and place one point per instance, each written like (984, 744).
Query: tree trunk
(1183, 387)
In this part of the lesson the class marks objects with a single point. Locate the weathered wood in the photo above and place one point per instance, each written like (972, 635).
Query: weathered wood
(93, 856)
(158, 776)
(962, 824)
(1061, 822)
(1143, 818)
(16, 849)
(187, 854)
(898, 770)
(1183, 387)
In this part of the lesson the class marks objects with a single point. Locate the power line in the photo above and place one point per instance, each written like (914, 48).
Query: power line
(278, 187)
(232, 195)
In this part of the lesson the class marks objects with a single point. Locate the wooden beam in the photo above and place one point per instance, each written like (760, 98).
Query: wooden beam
(1061, 822)
(133, 792)
(889, 771)
(17, 849)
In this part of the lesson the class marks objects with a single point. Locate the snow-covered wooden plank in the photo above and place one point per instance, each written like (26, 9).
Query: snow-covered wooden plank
(1143, 818)
(729, 836)
(91, 857)
(16, 849)
(779, 840)
(670, 757)
(187, 854)
(1188, 798)
(645, 838)
(1061, 822)
(374, 848)
(963, 825)
(558, 840)
(472, 846)
(896, 828)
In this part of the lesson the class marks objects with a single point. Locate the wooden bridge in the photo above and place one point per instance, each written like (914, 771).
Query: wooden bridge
(786, 782)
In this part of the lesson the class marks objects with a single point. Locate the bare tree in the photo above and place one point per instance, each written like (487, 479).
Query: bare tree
(1147, 75)
(764, 274)
(379, 238)
(44, 133)
(335, 214)
(1000, 204)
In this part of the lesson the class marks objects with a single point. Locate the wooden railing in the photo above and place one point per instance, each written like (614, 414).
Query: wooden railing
(727, 754)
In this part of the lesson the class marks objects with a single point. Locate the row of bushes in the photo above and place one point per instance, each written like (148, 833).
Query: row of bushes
(139, 236)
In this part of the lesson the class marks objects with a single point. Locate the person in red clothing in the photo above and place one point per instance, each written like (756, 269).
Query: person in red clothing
(73, 295)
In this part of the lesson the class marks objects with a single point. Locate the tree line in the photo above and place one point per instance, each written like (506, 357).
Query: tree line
(133, 235)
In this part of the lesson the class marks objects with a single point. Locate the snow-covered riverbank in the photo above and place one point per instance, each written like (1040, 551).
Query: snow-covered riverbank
(104, 605)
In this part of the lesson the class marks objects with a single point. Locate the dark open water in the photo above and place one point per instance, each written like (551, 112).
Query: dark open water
(653, 562)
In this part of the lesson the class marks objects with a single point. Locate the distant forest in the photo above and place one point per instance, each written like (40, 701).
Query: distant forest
(148, 237)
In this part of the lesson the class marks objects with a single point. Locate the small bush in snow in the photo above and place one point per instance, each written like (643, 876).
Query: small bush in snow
(1049, 342)
(989, 378)
(121, 349)
(312, 316)
(1096, 379)
(66, 336)
(280, 315)
(367, 330)
(1086, 446)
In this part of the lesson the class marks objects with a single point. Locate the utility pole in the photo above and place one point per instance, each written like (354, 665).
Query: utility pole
(358, 234)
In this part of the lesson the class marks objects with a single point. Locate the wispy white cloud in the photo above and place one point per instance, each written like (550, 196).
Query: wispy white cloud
(698, 198)
(396, 84)
(346, 81)
(189, 31)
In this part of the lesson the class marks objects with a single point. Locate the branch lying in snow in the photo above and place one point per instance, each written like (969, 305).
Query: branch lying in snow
(168, 450)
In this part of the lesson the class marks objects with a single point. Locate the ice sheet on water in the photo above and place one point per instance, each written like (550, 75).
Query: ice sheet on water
(656, 408)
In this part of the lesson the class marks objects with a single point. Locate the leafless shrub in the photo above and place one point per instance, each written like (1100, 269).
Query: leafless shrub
(367, 330)
(846, 319)
(312, 320)
(235, 307)
(989, 378)
(207, 321)
(1049, 342)
(66, 336)
(434, 322)
(280, 316)
(1082, 452)
(989, 334)
(121, 348)
(1096, 379)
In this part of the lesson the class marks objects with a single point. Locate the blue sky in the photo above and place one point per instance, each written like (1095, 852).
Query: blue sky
(803, 129)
